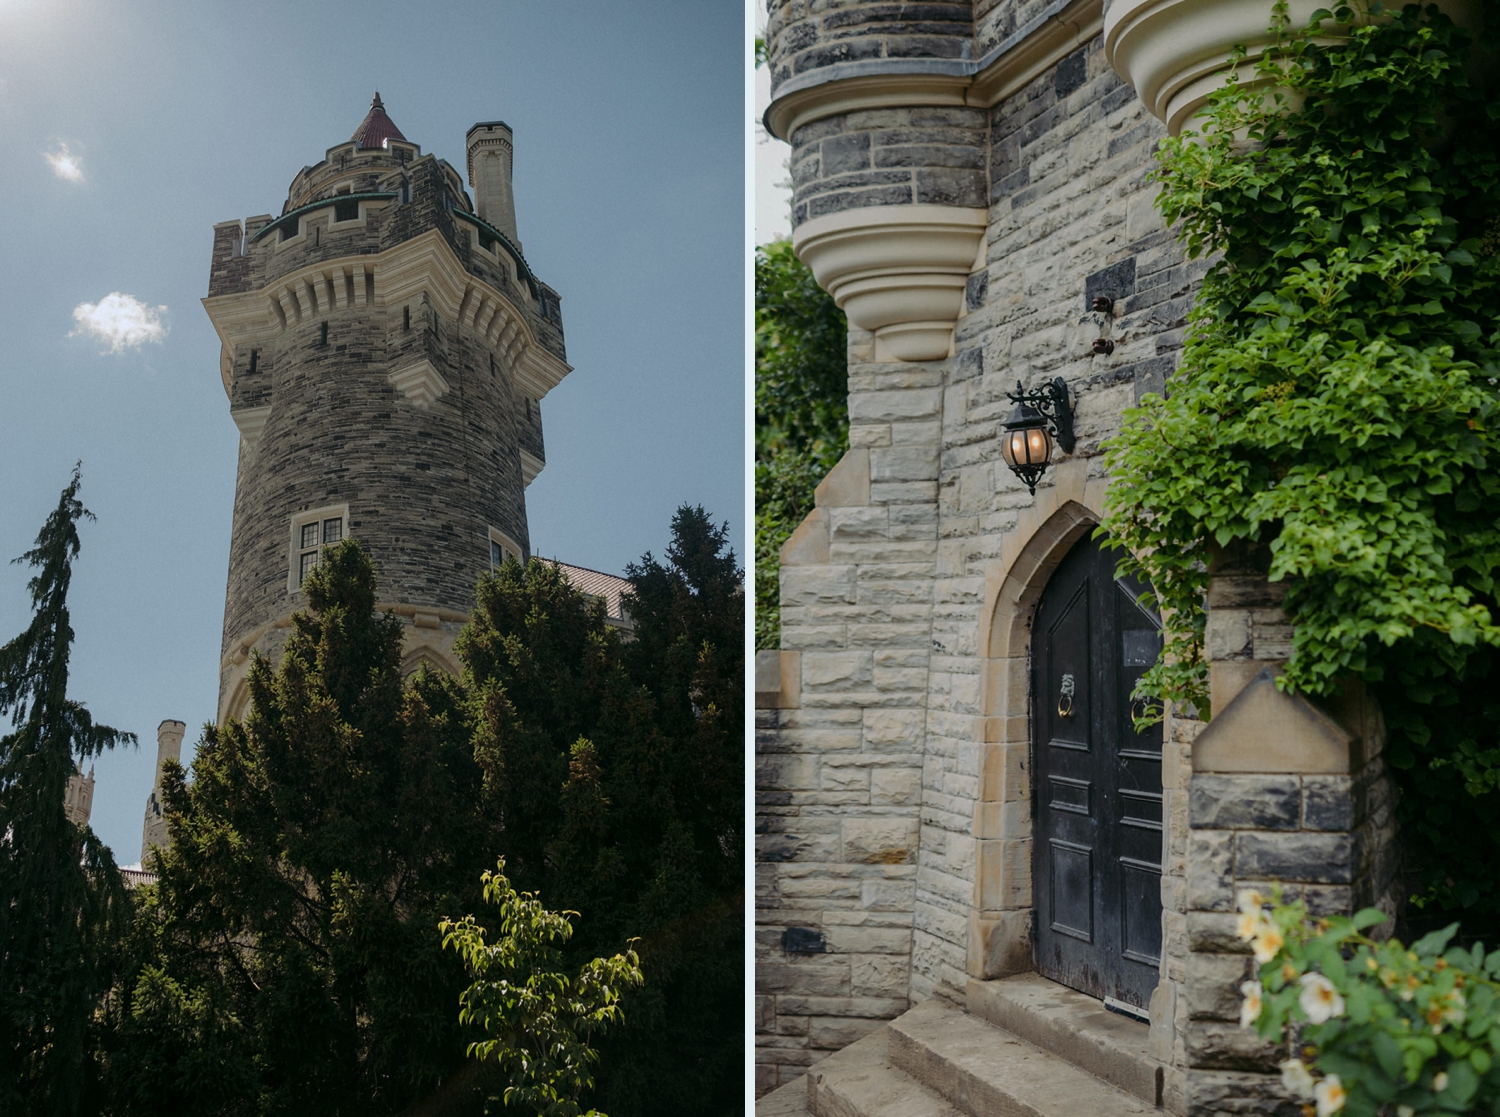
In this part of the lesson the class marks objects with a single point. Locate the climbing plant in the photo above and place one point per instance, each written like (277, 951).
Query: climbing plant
(1335, 405)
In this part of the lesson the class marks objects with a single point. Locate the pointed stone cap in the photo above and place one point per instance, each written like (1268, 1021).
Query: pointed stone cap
(1265, 730)
(376, 128)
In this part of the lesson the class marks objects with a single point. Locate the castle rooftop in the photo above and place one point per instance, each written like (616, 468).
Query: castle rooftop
(376, 128)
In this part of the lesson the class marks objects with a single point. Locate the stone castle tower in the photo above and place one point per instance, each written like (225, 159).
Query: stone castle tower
(168, 747)
(386, 348)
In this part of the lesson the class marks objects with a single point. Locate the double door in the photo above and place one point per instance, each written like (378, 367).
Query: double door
(1097, 849)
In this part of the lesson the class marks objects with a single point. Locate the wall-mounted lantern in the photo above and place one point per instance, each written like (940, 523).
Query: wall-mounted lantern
(1041, 415)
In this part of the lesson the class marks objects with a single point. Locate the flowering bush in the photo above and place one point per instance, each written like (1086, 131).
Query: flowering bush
(1385, 1028)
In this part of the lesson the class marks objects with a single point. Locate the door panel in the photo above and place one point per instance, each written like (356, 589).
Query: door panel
(1098, 843)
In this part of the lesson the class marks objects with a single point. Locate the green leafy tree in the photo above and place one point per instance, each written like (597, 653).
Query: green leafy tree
(1335, 409)
(618, 766)
(538, 1020)
(801, 411)
(63, 907)
(290, 960)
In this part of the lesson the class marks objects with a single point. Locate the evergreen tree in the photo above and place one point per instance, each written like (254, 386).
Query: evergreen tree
(63, 907)
(619, 768)
(290, 955)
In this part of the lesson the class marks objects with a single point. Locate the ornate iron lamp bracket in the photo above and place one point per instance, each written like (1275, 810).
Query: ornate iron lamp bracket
(1051, 402)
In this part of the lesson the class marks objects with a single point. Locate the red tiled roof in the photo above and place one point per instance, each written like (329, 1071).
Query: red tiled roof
(134, 878)
(376, 127)
(597, 584)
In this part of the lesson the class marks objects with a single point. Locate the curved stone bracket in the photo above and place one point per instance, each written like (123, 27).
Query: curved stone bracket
(421, 383)
(898, 271)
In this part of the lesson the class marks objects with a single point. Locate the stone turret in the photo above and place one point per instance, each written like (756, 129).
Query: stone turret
(385, 350)
(78, 799)
(490, 157)
(168, 747)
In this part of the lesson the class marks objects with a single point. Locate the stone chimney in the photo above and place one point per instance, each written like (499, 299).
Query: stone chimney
(490, 150)
(168, 747)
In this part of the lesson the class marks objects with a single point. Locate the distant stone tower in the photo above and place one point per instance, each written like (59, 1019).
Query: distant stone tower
(168, 747)
(385, 351)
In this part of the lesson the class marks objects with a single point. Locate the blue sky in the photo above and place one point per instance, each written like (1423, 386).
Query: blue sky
(161, 118)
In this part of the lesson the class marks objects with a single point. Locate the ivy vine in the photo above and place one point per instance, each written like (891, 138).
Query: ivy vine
(1335, 406)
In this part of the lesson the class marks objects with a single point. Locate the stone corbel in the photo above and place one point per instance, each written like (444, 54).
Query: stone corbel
(897, 271)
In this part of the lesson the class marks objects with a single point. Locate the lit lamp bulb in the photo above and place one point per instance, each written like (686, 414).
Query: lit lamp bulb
(1026, 446)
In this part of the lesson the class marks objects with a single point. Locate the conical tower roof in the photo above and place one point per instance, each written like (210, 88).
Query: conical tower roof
(376, 127)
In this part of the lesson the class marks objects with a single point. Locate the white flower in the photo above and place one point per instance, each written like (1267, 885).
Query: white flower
(1405, 1111)
(1249, 900)
(1250, 1007)
(1320, 1000)
(1297, 1079)
(1248, 923)
(1439, 1082)
(1267, 942)
(1330, 1095)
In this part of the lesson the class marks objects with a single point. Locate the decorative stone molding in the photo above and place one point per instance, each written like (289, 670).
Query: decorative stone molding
(778, 680)
(1176, 52)
(251, 421)
(897, 271)
(421, 383)
(843, 87)
(531, 465)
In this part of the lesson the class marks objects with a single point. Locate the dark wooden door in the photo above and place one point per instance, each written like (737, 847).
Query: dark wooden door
(1097, 797)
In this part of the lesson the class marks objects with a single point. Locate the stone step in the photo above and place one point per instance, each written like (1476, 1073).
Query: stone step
(1074, 1026)
(985, 1071)
(789, 1100)
(860, 1082)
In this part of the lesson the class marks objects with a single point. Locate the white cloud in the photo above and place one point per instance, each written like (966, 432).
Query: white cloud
(123, 321)
(64, 163)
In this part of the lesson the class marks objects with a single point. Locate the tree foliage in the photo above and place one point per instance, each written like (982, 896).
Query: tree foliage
(618, 766)
(290, 956)
(289, 959)
(63, 907)
(801, 411)
(536, 1019)
(1335, 405)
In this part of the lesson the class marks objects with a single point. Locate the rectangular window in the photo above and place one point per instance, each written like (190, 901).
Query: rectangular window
(311, 532)
(346, 211)
(289, 230)
(497, 556)
(502, 547)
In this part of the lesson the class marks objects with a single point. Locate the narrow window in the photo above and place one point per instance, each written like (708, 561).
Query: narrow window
(306, 563)
(528, 409)
(406, 317)
(333, 530)
(497, 556)
(346, 211)
(323, 334)
(254, 360)
(492, 366)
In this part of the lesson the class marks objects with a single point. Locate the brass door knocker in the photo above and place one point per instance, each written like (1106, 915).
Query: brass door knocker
(1065, 699)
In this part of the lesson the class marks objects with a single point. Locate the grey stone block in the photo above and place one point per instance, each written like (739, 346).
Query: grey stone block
(1213, 985)
(1210, 870)
(1300, 856)
(1246, 802)
(1327, 803)
(1223, 1046)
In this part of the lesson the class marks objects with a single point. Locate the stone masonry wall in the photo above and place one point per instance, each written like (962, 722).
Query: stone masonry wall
(869, 784)
(1282, 791)
(1070, 217)
(805, 36)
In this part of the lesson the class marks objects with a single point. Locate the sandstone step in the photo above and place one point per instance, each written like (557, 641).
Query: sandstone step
(985, 1071)
(1074, 1026)
(789, 1100)
(860, 1082)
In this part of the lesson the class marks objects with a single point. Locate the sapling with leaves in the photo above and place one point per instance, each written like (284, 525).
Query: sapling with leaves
(63, 905)
(537, 1019)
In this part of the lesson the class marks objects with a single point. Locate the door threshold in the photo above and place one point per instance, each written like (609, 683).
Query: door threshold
(1124, 1009)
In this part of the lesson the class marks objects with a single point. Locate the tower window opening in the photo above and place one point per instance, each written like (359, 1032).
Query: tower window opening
(492, 366)
(502, 547)
(323, 334)
(310, 536)
(290, 230)
(254, 360)
(346, 211)
(528, 409)
(406, 317)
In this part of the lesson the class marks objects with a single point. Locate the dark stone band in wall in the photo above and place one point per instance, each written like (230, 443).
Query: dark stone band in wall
(900, 156)
(806, 35)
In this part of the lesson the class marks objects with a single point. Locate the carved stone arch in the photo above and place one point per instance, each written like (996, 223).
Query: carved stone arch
(999, 939)
(432, 657)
